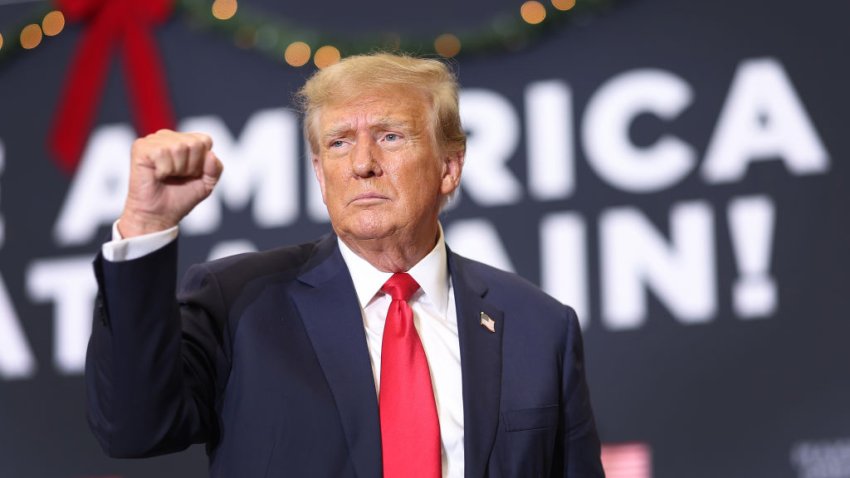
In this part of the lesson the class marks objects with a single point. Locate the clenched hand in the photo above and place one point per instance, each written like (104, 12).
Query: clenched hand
(170, 173)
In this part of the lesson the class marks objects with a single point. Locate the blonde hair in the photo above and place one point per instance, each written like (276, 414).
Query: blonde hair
(357, 74)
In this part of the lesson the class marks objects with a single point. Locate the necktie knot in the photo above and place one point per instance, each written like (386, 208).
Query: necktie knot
(400, 286)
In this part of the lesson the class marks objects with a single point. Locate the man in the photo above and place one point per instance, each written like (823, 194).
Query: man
(374, 351)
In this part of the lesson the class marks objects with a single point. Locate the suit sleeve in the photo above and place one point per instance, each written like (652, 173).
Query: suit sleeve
(151, 366)
(577, 432)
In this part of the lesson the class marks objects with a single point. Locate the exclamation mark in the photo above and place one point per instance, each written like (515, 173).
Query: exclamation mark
(751, 221)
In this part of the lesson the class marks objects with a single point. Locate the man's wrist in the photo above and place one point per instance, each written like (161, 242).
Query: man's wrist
(121, 249)
(134, 224)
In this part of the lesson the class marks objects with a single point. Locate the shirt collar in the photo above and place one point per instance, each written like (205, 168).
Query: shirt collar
(431, 273)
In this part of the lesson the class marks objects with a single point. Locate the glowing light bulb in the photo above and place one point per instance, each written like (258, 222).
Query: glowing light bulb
(447, 45)
(563, 5)
(224, 9)
(532, 12)
(53, 23)
(297, 53)
(326, 56)
(31, 36)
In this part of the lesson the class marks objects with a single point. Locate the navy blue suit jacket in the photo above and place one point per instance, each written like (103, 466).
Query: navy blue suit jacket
(263, 358)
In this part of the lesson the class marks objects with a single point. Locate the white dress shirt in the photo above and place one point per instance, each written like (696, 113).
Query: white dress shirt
(434, 316)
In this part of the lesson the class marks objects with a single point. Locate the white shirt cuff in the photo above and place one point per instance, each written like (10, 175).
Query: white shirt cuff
(120, 249)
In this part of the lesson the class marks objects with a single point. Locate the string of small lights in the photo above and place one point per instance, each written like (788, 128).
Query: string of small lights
(296, 45)
(505, 31)
(43, 22)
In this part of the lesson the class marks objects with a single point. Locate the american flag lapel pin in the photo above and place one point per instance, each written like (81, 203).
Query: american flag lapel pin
(488, 323)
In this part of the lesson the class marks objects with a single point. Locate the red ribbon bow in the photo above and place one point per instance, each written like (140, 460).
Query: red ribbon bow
(124, 22)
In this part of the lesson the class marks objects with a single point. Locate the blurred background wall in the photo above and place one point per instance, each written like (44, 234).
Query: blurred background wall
(676, 171)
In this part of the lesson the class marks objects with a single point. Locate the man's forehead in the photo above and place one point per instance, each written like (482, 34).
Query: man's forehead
(353, 118)
(390, 109)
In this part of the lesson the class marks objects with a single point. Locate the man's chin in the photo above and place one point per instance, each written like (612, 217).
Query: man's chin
(365, 232)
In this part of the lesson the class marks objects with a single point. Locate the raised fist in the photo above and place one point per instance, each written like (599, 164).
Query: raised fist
(170, 173)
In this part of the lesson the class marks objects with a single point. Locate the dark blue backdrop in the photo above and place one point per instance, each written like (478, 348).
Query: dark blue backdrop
(676, 170)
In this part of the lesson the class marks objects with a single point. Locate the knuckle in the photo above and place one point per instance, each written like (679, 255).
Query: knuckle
(203, 139)
(141, 144)
(179, 149)
(155, 152)
(193, 145)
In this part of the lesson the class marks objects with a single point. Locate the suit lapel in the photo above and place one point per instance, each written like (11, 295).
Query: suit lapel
(328, 305)
(481, 362)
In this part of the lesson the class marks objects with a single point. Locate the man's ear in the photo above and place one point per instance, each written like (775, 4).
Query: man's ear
(320, 175)
(452, 169)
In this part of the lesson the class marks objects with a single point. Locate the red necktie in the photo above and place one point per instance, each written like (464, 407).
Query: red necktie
(410, 430)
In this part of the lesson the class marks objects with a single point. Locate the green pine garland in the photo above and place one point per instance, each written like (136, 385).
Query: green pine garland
(505, 31)
(253, 29)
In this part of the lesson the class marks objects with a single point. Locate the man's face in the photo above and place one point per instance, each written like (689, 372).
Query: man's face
(381, 171)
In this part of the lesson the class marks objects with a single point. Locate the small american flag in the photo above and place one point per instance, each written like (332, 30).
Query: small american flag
(488, 323)
(627, 460)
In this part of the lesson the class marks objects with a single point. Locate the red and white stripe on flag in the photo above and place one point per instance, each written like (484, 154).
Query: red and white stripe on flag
(627, 460)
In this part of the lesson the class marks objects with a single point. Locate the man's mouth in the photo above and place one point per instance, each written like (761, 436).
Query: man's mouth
(368, 198)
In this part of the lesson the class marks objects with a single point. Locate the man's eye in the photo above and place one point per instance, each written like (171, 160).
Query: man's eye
(336, 144)
(391, 137)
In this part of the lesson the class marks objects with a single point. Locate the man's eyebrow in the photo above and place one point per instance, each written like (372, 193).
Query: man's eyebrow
(388, 122)
(337, 130)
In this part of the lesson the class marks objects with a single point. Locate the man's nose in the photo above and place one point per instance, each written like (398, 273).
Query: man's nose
(365, 159)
